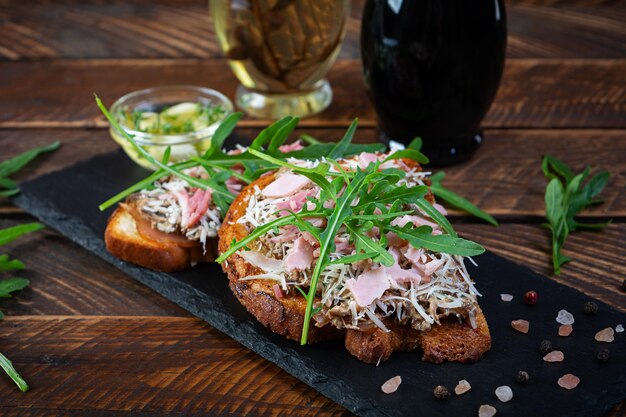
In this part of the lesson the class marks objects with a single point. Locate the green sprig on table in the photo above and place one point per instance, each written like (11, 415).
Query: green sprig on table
(12, 284)
(8, 187)
(565, 197)
(450, 197)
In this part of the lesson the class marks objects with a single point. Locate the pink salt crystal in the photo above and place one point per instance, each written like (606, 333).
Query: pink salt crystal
(606, 335)
(391, 385)
(565, 329)
(569, 381)
(520, 325)
(554, 356)
(486, 410)
(462, 387)
(506, 297)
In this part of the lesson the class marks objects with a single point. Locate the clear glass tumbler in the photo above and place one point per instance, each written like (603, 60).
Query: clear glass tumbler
(280, 50)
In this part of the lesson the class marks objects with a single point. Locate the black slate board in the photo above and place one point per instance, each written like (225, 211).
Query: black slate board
(68, 201)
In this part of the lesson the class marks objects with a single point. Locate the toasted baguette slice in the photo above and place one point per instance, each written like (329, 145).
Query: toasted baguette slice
(450, 341)
(124, 241)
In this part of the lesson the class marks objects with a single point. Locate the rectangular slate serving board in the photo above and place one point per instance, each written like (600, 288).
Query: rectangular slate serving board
(68, 201)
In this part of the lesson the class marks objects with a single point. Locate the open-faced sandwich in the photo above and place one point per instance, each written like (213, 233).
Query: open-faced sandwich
(356, 249)
(169, 221)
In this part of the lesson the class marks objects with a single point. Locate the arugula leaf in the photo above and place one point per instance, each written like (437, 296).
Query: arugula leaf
(7, 264)
(281, 135)
(11, 233)
(565, 197)
(9, 285)
(434, 214)
(409, 154)
(421, 237)
(456, 200)
(11, 166)
(7, 365)
(339, 149)
(222, 132)
(365, 244)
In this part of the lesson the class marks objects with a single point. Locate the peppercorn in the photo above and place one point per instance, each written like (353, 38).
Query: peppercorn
(590, 308)
(531, 298)
(441, 392)
(545, 346)
(522, 377)
(603, 356)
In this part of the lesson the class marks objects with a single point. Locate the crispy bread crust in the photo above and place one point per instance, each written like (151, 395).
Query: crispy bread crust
(450, 341)
(124, 241)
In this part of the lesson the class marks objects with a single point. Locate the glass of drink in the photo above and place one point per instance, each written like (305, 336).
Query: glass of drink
(280, 50)
(432, 69)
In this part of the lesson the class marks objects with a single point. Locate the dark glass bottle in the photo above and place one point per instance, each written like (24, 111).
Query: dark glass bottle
(432, 69)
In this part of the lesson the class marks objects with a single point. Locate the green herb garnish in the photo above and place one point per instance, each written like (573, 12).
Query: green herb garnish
(456, 200)
(565, 198)
(13, 165)
(11, 284)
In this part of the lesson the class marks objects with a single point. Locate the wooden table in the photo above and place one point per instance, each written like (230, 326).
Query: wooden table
(91, 341)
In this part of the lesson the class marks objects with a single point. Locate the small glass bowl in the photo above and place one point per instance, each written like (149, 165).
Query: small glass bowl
(183, 145)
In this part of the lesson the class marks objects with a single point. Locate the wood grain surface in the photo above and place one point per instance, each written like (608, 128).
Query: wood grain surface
(93, 342)
(535, 93)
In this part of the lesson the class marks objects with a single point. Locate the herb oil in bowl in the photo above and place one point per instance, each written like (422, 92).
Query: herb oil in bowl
(181, 117)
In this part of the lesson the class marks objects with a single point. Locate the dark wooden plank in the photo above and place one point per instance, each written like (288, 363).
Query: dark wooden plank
(146, 365)
(95, 366)
(66, 280)
(33, 30)
(598, 264)
(503, 178)
(534, 93)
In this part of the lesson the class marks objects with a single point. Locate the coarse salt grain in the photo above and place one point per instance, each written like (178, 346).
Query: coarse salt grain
(504, 393)
(486, 410)
(391, 385)
(462, 387)
(554, 356)
(619, 328)
(606, 335)
(565, 329)
(520, 325)
(506, 297)
(569, 381)
(565, 317)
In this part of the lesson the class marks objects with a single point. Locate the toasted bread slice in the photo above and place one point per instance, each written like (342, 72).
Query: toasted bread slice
(123, 240)
(450, 341)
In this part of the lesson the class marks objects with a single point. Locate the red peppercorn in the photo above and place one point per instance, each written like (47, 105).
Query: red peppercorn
(531, 298)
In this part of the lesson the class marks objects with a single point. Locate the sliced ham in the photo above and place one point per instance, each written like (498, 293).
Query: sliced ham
(294, 203)
(368, 286)
(198, 206)
(300, 256)
(415, 257)
(441, 209)
(292, 147)
(277, 291)
(285, 185)
(400, 275)
(366, 158)
(233, 185)
(261, 261)
(417, 221)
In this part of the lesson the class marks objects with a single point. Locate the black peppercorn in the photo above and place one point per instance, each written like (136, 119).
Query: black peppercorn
(441, 392)
(603, 356)
(590, 308)
(545, 346)
(522, 377)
